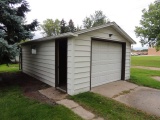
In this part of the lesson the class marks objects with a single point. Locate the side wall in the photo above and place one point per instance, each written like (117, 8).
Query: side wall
(42, 64)
(80, 50)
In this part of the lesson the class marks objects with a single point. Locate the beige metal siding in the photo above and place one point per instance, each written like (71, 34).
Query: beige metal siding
(81, 57)
(42, 64)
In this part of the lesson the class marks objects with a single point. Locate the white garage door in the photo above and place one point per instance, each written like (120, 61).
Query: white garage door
(106, 62)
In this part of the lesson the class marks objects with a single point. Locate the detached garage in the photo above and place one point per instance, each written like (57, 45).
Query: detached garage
(76, 62)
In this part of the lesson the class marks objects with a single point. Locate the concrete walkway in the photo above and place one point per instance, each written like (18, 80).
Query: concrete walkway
(53, 94)
(60, 98)
(79, 110)
(142, 98)
(148, 68)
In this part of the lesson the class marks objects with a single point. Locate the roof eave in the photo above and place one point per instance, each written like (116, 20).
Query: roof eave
(124, 33)
(113, 24)
(64, 35)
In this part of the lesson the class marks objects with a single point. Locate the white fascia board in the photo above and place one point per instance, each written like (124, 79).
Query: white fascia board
(65, 35)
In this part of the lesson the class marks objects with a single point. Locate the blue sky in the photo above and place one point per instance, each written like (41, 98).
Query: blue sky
(126, 13)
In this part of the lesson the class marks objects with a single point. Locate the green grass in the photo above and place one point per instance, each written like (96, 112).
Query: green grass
(143, 77)
(110, 109)
(14, 106)
(150, 61)
(11, 68)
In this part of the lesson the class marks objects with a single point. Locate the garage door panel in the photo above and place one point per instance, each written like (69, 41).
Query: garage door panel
(115, 63)
(104, 56)
(106, 62)
(111, 68)
(103, 62)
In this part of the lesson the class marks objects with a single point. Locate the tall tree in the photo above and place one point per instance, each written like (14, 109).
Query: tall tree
(63, 26)
(12, 26)
(7, 52)
(98, 18)
(51, 27)
(149, 29)
(71, 26)
(87, 22)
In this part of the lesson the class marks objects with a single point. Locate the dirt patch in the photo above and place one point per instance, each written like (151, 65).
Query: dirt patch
(156, 78)
(29, 85)
(148, 68)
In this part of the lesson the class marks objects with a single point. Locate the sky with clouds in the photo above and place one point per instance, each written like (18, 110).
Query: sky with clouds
(126, 13)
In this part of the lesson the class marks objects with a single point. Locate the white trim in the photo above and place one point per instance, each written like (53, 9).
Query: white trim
(112, 24)
(64, 35)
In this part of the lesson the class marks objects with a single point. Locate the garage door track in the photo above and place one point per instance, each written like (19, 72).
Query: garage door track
(142, 98)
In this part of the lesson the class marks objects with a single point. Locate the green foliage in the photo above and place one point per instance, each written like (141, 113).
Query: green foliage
(64, 29)
(78, 28)
(98, 18)
(87, 23)
(143, 77)
(67, 28)
(110, 109)
(51, 27)
(149, 30)
(7, 52)
(71, 26)
(150, 61)
(14, 106)
(11, 68)
(13, 28)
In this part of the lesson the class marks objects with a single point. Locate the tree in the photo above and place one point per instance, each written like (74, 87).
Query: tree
(87, 23)
(51, 27)
(63, 26)
(71, 26)
(12, 26)
(149, 29)
(7, 52)
(98, 18)
(67, 28)
(78, 28)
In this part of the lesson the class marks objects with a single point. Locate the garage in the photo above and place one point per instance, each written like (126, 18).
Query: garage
(77, 62)
(106, 62)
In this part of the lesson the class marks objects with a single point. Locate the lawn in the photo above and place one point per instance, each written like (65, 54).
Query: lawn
(14, 106)
(11, 68)
(143, 77)
(151, 61)
(110, 109)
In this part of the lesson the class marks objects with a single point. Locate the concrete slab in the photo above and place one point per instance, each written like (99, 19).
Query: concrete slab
(143, 98)
(83, 113)
(114, 88)
(52, 93)
(68, 103)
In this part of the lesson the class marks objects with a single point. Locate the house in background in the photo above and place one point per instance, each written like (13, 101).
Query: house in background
(152, 51)
(77, 62)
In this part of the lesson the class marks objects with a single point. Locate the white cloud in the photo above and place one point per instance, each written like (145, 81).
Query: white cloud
(126, 13)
